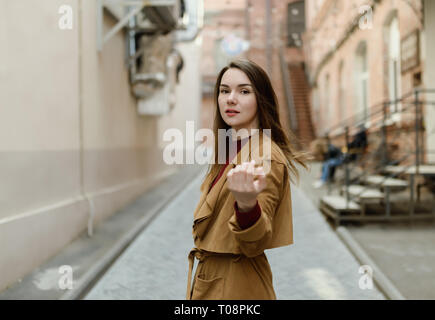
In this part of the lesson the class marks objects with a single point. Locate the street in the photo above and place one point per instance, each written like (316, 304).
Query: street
(155, 265)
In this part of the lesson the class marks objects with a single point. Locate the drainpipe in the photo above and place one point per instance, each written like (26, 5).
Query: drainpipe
(90, 202)
(195, 10)
(288, 90)
(248, 24)
(269, 37)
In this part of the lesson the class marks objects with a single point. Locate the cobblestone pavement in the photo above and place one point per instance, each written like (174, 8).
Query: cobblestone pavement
(155, 265)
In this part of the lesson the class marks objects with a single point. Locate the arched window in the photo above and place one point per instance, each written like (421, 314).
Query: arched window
(392, 36)
(362, 82)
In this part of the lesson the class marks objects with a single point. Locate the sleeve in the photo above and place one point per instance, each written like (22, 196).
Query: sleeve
(255, 239)
(247, 219)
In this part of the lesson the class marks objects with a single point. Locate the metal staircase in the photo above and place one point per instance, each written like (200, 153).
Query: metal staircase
(376, 176)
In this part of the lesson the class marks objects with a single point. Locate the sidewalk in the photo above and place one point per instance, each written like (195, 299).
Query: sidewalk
(317, 266)
(89, 257)
(405, 252)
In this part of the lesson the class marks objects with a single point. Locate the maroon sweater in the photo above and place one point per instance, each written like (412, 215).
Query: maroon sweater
(244, 219)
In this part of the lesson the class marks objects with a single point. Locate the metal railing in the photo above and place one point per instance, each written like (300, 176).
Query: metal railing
(383, 117)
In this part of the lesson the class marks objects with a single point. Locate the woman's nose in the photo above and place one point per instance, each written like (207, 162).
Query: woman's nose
(231, 97)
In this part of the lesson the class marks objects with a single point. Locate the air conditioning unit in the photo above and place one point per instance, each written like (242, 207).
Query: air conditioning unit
(151, 73)
(160, 18)
(145, 84)
(159, 100)
(152, 65)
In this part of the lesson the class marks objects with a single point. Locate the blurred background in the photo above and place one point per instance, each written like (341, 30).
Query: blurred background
(88, 88)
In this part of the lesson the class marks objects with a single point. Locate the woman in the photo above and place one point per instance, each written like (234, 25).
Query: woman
(243, 209)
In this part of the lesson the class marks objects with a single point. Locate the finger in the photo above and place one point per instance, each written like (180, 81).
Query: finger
(236, 176)
(251, 168)
(244, 172)
(230, 174)
(235, 170)
(250, 173)
(245, 166)
(230, 178)
(260, 183)
(259, 171)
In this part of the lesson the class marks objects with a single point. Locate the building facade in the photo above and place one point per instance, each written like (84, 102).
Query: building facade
(260, 30)
(74, 147)
(361, 54)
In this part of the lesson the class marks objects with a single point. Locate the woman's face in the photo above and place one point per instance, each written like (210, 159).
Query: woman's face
(237, 101)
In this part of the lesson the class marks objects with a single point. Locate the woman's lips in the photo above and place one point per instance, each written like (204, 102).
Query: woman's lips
(231, 113)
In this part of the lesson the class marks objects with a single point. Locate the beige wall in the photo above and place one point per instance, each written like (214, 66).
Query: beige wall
(188, 92)
(69, 129)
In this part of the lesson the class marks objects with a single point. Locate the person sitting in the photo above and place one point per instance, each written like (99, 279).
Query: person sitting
(357, 146)
(332, 159)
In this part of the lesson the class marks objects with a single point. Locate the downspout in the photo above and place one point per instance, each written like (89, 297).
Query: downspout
(195, 11)
(81, 133)
(269, 37)
(288, 90)
(248, 23)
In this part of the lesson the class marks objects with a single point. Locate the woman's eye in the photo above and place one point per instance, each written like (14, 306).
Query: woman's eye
(245, 91)
(224, 91)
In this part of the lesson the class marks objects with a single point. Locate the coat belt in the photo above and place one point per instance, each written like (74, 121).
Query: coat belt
(200, 255)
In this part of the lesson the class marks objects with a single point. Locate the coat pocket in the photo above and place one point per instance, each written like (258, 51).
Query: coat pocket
(208, 289)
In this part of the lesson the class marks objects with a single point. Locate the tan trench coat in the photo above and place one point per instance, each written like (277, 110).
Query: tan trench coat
(232, 263)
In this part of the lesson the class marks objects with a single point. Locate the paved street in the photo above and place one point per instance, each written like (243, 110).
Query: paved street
(404, 251)
(154, 266)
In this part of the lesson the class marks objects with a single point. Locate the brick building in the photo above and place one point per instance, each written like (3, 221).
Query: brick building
(261, 25)
(361, 54)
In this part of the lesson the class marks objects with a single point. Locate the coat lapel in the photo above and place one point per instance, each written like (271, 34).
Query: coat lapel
(208, 200)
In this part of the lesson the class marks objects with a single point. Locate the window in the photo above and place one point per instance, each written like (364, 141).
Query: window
(394, 72)
(295, 23)
(361, 82)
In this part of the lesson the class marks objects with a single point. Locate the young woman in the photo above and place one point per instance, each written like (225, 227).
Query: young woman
(244, 209)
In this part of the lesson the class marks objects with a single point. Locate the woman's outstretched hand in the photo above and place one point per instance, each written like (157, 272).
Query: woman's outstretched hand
(243, 185)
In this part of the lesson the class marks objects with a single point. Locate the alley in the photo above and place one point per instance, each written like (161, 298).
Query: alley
(154, 266)
(101, 157)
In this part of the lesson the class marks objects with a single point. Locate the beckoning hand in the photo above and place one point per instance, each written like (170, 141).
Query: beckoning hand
(243, 185)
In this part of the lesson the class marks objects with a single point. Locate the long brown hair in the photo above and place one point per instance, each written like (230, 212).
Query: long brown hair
(267, 114)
